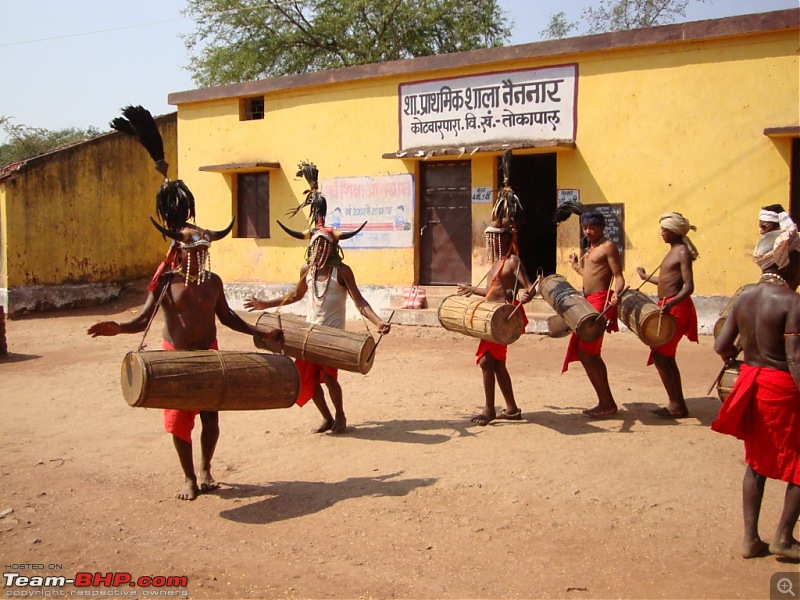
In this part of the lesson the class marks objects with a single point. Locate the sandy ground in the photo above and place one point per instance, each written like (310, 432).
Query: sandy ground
(414, 502)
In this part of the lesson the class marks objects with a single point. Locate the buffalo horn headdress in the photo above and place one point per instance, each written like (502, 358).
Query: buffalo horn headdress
(335, 234)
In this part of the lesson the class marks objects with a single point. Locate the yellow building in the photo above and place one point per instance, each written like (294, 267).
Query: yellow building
(700, 118)
(74, 222)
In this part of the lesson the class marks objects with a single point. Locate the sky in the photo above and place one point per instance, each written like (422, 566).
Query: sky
(76, 63)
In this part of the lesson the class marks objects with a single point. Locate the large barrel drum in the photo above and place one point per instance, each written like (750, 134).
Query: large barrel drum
(322, 345)
(209, 380)
(723, 315)
(568, 302)
(480, 318)
(728, 379)
(644, 317)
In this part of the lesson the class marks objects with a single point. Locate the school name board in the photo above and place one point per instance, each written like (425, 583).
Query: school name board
(385, 203)
(508, 106)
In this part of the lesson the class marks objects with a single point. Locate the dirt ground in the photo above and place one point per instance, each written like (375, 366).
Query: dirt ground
(413, 502)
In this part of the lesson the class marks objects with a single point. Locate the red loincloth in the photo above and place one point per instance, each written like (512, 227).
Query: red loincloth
(685, 324)
(310, 376)
(181, 422)
(598, 301)
(499, 351)
(763, 410)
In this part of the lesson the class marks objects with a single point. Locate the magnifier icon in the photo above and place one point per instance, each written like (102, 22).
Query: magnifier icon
(784, 586)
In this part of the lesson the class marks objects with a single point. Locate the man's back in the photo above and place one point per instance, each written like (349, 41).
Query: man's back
(760, 315)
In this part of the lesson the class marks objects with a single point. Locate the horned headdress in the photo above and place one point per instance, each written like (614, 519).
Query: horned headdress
(323, 247)
(506, 211)
(175, 205)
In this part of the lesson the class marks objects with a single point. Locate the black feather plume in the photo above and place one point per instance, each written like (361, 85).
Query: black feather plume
(136, 121)
(565, 209)
(507, 209)
(314, 199)
(175, 204)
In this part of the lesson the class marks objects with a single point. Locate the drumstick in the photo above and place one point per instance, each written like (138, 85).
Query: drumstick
(375, 347)
(278, 314)
(607, 308)
(516, 283)
(468, 294)
(646, 279)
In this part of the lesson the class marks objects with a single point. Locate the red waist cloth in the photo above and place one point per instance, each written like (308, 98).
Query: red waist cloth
(685, 317)
(310, 376)
(499, 351)
(181, 422)
(598, 302)
(763, 410)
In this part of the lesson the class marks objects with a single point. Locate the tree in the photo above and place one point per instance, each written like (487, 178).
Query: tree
(24, 141)
(241, 40)
(619, 15)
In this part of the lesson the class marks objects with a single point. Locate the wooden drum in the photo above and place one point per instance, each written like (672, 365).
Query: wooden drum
(568, 302)
(644, 317)
(209, 380)
(728, 379)
(477, 317)
(723, 315)
(322, 345)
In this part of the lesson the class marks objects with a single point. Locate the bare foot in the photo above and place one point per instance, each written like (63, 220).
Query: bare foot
(483, 419)
(339, 424)
(667, 413)
(326, 425)
(753, 548)
(598, 412)
(189, 490)
(510, 415)
(206, 481)
(791, 551)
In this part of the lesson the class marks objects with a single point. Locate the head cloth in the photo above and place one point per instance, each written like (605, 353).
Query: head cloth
(784, 241)
(593, 217)
(679, 225)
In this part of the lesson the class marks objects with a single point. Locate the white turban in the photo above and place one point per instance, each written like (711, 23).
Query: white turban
(678, 224)
(768, 216)
(786, 241)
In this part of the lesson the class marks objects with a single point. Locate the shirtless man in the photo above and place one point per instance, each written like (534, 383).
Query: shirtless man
(675, 283)
(762, 408)
(192, 297)
(599, 266)
(331, 281)
(505, 276)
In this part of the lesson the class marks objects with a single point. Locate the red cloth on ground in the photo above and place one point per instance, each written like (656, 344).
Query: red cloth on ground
(499, 351)
(685, 317)
(181, 422)
(763, 410)
(310, 375)
(598, 302)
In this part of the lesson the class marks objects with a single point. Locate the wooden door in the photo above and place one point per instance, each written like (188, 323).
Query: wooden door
(445, 222)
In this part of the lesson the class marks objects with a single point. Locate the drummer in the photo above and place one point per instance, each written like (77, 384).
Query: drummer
(763, 406)
(603, 282)
(330, 280)
(675, 283)
(192, 296)
(506, 275)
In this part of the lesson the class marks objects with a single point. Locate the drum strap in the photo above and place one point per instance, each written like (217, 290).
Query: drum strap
(305, 340)
(153, 316)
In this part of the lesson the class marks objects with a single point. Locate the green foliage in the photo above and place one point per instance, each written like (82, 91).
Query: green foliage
(244, 40)
(24, 141)
(619, 15)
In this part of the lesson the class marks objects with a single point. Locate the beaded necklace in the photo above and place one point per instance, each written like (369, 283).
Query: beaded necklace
(774, 279)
